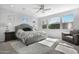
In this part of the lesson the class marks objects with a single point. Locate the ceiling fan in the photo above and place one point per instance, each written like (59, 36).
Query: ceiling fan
(42, 8)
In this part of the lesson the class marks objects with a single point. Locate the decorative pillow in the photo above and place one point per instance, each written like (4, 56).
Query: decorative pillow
(30, 37)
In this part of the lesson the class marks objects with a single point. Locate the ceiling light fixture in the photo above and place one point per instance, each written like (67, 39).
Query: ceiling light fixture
(23, 8)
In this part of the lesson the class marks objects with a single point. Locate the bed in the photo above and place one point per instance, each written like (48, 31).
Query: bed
(25, 33)
(33, 47)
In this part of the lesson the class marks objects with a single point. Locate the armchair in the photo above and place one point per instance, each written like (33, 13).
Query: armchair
(72, 37)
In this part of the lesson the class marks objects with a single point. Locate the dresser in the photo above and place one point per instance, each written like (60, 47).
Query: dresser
(10, 36)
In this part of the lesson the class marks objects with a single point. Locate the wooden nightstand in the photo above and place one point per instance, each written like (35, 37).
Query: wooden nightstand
(10, 36)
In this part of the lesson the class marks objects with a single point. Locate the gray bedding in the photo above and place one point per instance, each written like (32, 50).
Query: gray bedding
(30, 37)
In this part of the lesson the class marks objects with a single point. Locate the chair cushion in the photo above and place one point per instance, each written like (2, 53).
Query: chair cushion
(70, 37)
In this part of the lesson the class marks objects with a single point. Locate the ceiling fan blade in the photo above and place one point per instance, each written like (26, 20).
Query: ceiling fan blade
(38, 10)
(47, 9)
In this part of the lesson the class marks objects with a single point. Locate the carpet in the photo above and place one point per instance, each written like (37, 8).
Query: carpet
(6, 48)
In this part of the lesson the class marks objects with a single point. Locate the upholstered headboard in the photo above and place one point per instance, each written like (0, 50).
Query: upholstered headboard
(24, 27)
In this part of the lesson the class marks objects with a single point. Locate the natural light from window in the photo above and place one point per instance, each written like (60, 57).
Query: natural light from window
(63, 22)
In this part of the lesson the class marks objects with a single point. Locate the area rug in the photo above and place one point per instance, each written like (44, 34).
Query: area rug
(66, 49)
(49, 42)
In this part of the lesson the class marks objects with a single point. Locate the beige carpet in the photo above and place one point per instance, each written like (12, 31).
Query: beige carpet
(6, 48)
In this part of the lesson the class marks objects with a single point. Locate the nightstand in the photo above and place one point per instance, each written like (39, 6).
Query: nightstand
(10, 36)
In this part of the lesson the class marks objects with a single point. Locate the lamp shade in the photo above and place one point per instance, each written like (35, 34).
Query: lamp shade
(11, 27)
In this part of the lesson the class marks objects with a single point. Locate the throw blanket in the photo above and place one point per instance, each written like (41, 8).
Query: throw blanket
(29, 37)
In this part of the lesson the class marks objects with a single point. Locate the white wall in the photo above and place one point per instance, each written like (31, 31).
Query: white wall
(76, 21)
(6, 15)
(55, 33)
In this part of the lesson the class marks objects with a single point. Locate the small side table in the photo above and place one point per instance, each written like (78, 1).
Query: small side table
(10, 36)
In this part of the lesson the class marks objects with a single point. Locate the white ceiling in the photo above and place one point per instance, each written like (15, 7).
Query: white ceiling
(29, 10)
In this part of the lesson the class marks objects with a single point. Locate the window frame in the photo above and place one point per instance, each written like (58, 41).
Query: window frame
(61, 22)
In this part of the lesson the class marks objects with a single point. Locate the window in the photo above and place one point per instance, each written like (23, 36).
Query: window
(67, 21)
(63, 22)
(24, 19)
(44, 24)
(54, 23)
